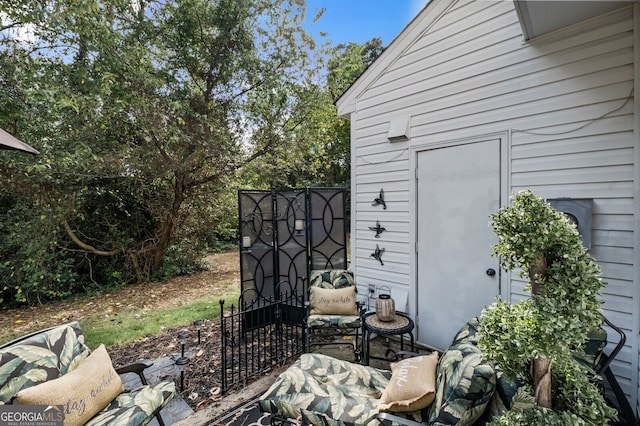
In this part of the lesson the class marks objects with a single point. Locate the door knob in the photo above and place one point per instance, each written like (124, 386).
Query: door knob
(491, 272)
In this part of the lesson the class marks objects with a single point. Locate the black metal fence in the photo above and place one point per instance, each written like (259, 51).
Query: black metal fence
(258, 335)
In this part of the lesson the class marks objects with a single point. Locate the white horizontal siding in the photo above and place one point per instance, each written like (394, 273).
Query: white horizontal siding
(391, 167)
(566, 100)
(582, 140)
(614, 238)
(481, 72)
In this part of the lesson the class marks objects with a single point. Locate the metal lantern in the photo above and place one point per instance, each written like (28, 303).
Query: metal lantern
(385, 307)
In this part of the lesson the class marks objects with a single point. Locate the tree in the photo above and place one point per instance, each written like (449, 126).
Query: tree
(322, 154)
(141, 109)
(348, 62)
(543, 331)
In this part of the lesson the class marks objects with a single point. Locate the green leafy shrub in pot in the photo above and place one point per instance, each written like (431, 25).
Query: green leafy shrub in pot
(545, 248)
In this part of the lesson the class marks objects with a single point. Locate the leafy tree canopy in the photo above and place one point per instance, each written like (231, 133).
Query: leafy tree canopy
(143, 112)
(323, 157)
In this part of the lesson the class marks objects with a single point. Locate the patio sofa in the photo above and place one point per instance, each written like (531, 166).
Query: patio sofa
(319, 389)
(54, 367)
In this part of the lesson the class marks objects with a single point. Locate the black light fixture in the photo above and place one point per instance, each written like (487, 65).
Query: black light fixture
(198, 325)
(182, 340)
(579, 212)
(182, 361)
(298, 226)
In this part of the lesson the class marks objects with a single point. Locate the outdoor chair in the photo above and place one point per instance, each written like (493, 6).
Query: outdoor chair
(601, 365)
(434, 389)
(54, 367)
(334, 316)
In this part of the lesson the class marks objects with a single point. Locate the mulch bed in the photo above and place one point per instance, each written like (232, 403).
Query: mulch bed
(202, 377)
(203, 373)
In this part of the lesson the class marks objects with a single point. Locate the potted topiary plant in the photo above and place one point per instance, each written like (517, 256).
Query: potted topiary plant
(534, 339)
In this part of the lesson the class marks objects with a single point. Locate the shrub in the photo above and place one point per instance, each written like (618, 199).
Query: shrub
(544, 246)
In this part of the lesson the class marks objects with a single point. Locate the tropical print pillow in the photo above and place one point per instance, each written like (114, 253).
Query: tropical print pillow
(331, 278)
(591, 353)
(468, 333)
(334, 321)
(464, 386)
(39, 358)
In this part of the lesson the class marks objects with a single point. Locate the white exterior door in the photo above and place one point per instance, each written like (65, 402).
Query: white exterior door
(458, 188)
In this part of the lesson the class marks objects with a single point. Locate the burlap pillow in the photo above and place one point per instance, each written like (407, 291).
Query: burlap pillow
(82, 392)
(412, 386)
(333, 301)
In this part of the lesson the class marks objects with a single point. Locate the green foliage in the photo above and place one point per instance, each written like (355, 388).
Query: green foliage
(556, 319)
(540, 417)
(575, 393)
(183, 259)
(144, 114)
(348, 62)
(32, 269)
(219, 232)
(576, 400)
(318, 150)
(509, 336)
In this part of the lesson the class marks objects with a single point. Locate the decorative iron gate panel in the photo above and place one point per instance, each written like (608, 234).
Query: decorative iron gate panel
(328, 236)
(283, 236)
(250, 344)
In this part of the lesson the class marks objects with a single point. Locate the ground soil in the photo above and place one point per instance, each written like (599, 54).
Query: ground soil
(203, 383)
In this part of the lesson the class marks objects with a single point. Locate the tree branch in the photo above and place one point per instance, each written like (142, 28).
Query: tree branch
(12, 25)
(84, 246)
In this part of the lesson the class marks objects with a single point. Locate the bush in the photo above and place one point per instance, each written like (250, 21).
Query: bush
(564, 280)
(33, 267)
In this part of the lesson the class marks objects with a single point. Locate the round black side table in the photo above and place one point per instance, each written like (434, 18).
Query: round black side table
(400, 326)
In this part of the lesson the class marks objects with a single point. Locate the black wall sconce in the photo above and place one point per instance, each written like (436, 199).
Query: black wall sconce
(298, 226)
(380, 200)
(379, 229)
(377, 254)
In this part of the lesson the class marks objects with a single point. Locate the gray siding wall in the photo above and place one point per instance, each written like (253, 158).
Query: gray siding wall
(566, 101)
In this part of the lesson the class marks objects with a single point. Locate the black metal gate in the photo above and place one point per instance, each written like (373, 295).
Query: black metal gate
(283, 236)
(250, 345)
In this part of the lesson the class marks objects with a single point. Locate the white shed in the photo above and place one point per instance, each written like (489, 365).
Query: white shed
(473, 101)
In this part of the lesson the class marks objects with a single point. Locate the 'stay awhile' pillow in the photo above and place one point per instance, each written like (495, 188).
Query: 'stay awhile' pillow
(412, 386)
(333, 301)
(82, 392)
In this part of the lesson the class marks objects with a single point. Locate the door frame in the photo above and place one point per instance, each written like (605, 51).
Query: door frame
(422, 144)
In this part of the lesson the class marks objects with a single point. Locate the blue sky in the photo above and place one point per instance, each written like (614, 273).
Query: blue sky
(361, 20)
